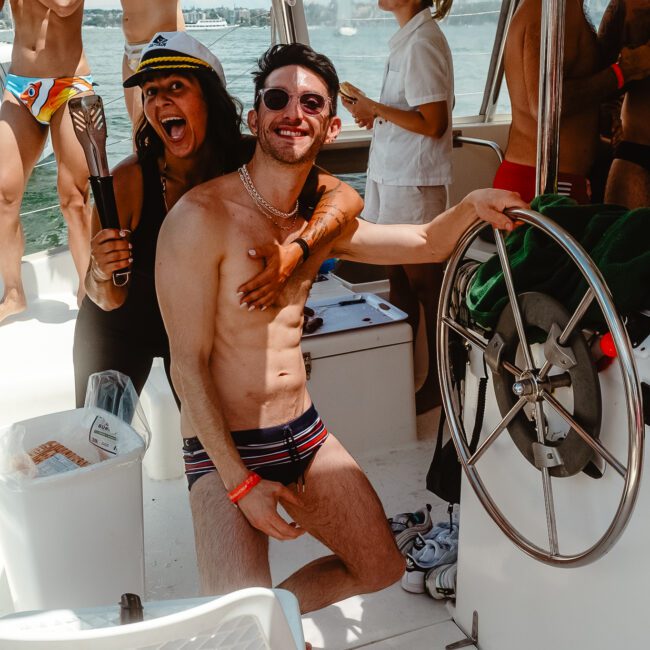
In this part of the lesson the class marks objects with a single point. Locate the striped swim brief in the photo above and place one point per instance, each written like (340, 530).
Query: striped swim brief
(280, 453)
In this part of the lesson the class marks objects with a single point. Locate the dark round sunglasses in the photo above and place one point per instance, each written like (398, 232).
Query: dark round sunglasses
(275, 99)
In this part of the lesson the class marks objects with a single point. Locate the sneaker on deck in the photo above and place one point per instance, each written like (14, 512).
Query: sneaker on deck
(424, 557)
(440, 582)
(408, 525)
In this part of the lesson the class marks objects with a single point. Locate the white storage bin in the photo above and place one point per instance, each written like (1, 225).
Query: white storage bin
(75, 538)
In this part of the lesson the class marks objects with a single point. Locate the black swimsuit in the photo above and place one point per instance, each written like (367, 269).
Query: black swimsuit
(128, 338)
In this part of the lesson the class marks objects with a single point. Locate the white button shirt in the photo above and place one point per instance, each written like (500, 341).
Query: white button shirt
(419, 71)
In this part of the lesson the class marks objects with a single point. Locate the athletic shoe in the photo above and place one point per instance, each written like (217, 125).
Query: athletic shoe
(443, 550)
(408, 525)
(440, 582)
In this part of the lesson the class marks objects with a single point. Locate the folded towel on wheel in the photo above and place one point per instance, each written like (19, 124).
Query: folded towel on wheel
(617, 240)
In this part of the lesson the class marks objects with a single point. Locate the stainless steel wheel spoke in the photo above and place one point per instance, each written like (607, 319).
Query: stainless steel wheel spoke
(570, 326)
(512, 295)
(468, 335)
(499, 429)
(549, 505)
(592, 442)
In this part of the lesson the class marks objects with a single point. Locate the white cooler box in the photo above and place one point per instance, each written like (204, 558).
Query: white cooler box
(360, 371)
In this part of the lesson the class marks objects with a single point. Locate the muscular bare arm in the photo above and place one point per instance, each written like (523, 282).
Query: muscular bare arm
(189, 248)
(611, 31)
(337, 206)
(62, 8)
(585, 90)
(430, 243)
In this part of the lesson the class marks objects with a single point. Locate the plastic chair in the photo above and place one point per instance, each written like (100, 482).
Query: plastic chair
(249, 619)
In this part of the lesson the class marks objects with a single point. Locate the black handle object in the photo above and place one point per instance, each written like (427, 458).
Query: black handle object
(104, 196)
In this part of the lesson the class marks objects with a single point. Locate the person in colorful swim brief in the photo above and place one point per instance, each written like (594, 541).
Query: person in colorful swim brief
(626, 23)
(241, 370)
(587, 82)
(44, 74)
(141, 19)
(280, 453)
(44, 97)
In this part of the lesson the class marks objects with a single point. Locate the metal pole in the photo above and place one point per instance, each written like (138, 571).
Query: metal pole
(495, 71)
(289, 20)
(551, 57)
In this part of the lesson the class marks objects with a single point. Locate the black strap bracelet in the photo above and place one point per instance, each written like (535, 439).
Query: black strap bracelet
(304, 246)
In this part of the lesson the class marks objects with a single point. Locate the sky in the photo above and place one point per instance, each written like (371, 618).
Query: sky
(186, 4)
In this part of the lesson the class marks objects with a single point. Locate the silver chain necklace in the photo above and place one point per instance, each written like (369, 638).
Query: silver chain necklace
(268, 210)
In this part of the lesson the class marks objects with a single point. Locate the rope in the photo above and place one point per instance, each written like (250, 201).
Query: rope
(230, 31)
(50, 207)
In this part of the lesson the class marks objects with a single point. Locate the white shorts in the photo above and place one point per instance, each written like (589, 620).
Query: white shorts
(403, 203)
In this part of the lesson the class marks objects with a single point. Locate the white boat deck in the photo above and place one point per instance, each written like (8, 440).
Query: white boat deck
(36, 354)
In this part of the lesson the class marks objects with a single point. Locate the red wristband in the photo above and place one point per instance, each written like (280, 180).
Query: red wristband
(620, 79)
(244, 488)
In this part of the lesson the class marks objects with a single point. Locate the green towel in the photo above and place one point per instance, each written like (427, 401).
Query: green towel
(617, 240)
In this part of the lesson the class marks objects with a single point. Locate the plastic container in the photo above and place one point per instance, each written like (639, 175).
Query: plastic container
(73, 539)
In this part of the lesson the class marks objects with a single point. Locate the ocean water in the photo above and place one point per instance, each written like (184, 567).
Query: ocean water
(359, 59)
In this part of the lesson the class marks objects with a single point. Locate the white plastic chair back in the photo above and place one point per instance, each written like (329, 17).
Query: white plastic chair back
(249, 619)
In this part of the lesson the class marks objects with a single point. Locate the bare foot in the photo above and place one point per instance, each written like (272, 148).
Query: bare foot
(13, 303)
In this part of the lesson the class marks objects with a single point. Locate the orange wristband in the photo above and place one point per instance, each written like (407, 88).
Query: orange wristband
(244, 488)
(620, 79)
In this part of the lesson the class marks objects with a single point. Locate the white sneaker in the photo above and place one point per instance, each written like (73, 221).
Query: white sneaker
(440, 582)
(408, 525)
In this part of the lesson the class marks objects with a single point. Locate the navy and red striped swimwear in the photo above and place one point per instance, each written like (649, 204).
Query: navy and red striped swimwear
(280, 453)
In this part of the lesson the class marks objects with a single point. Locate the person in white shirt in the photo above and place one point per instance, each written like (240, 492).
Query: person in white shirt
(410, 154)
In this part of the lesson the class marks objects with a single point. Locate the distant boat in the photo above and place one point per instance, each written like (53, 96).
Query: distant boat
(347, 30)
(344, 25)
(207, 24)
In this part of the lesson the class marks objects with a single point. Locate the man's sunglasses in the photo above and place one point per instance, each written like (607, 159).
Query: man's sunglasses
(275, 99)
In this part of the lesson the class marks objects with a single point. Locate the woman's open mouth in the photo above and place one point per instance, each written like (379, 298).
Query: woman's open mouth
(174, 127)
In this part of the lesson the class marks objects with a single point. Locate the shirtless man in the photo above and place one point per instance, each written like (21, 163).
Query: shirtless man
(48, 67)
(141, 19)
(587, 82)
(625, 24)
(246, 412)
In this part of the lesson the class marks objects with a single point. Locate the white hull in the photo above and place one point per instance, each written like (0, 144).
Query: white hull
(207, 26)
(347, 31)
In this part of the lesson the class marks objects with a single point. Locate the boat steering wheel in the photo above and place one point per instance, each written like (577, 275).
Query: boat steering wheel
(524, 387)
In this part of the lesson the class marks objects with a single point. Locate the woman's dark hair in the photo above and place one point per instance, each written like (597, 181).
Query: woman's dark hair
(442, 7)
(283, 54)
(224, 136)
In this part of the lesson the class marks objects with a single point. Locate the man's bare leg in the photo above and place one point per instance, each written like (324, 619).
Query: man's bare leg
(72, 184)
(231, 553)
(342, 510)
(21, 142)
(628, 184)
